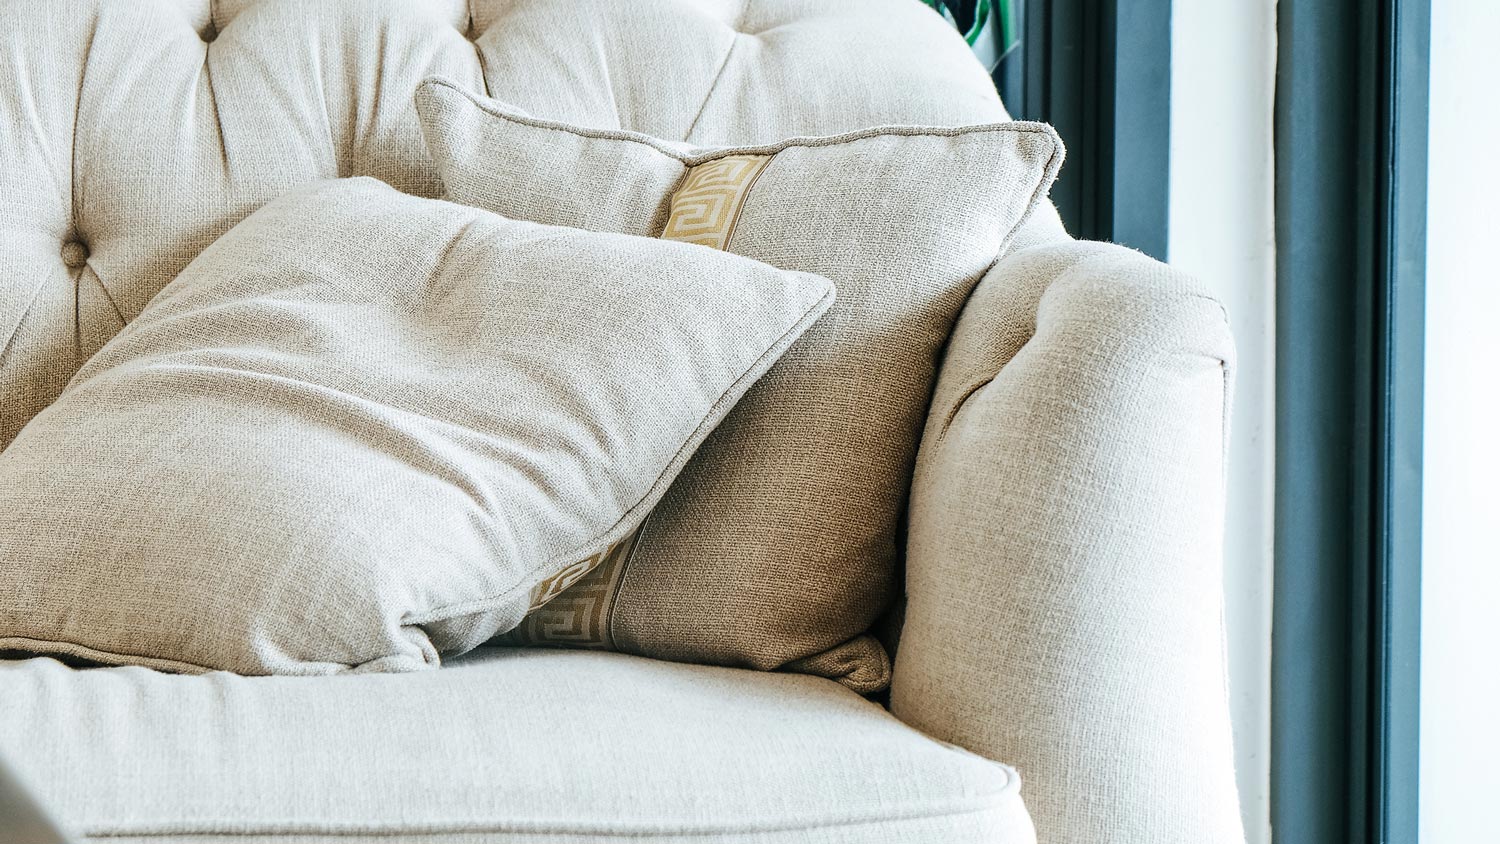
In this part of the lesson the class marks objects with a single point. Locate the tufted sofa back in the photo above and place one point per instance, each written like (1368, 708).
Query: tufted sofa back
(134, 132)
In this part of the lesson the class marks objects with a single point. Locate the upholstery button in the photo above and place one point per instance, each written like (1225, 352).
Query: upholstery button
(74, 254)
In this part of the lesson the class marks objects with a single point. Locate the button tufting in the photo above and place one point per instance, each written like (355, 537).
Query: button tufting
(74, 254)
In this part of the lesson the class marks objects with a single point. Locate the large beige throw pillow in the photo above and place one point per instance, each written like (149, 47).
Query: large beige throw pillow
(363, 430)
(777, 547)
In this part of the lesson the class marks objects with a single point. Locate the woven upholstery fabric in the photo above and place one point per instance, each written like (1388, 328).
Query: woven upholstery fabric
(503, 745)
(777, 545)
(1075, 630)
(363, 429)
(133, 134)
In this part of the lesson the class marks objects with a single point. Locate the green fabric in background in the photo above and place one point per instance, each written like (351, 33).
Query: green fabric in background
(993, 30)
(992, 27)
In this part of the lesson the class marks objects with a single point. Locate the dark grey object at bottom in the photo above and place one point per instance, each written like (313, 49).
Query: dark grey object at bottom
(22, 819)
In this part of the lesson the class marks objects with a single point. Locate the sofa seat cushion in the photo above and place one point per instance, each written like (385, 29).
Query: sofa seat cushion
(500, 745)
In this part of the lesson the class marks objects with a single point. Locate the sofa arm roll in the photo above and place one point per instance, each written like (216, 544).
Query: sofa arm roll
(1064, 586)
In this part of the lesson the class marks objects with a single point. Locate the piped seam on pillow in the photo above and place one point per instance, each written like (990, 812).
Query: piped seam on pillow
(1042, 189)
(54, 647)
(693, 160)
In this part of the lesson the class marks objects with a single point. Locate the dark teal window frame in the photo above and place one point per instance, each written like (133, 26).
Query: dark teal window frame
(1100, 71)
(1351, 168)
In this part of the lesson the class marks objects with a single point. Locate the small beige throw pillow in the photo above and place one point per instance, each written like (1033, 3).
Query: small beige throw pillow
(363, 430)
(778, 546)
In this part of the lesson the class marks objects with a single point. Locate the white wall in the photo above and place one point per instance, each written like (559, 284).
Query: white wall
(1461, 464)
(1223, 82)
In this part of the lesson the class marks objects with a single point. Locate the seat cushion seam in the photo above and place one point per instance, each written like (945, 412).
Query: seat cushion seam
(669, 829)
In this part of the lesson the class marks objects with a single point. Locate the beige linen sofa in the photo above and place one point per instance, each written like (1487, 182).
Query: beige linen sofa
(1060, 672)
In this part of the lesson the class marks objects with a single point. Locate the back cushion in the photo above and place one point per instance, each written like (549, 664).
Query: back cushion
(134, 134)
(777, 545)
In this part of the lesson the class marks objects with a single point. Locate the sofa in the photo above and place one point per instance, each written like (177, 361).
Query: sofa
(1058, 669)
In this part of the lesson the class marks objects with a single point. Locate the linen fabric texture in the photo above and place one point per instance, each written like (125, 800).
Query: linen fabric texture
(1082, 410)
(777, 546)
(365, 429)
(133, 134)
(501, 745)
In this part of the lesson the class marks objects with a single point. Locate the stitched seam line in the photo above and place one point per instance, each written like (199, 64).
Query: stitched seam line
(962, 400)
(713, 86)
(665, 829)
(213, 99)
(108, 297)
(473, 38)
(734, 222)
(88, 53)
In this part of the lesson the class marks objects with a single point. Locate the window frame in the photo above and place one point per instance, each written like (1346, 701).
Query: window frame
(1100, 71)
(1351, 169)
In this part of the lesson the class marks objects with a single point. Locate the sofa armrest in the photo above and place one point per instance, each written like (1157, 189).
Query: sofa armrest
(1064, 584)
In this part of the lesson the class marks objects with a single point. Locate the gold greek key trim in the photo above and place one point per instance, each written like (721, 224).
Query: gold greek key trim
(571, 608)
(707, 205)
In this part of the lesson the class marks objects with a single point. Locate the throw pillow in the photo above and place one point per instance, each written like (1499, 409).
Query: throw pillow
(777, 547)
(363, 430)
